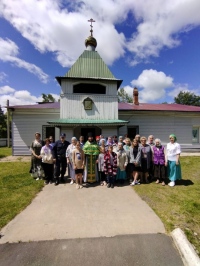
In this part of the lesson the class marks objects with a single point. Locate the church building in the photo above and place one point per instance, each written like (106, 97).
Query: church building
(89, 103)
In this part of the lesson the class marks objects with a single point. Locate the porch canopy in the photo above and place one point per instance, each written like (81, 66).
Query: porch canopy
(88, 122)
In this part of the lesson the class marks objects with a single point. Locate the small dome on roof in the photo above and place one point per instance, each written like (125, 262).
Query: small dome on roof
(91, 41)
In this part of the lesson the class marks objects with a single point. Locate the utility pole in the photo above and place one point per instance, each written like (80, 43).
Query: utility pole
(8, 125)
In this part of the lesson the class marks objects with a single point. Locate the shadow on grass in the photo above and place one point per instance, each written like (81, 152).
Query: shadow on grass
(184, 182)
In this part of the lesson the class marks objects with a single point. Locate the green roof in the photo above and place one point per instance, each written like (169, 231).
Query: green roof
(90, 66)
(90, 122)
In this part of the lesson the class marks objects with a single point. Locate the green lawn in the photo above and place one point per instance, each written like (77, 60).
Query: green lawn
(178, 206)
(17, 189)
(4, 151)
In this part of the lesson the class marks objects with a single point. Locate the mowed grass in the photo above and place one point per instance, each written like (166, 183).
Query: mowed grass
(17, 189)
(178, 206)
(4, 151)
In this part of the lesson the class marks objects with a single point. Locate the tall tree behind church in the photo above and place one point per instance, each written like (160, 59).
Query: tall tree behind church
(187, 98)
(48, 98)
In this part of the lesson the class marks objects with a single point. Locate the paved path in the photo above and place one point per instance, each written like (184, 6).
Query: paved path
(63, 212)
(128, 250)
(91, 226)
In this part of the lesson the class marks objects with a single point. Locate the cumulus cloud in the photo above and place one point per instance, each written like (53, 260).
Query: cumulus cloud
(61, 25)
(19, 97)
(156, 86)
(6, 90)
(153, 85)
(182, 87)
(159, 25)
(9, 52)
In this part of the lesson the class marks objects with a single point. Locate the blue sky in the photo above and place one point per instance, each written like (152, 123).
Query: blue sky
(153, 45)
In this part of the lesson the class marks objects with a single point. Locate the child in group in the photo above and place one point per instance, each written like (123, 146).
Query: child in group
(102, 175)
(78, 159)
(110, 166)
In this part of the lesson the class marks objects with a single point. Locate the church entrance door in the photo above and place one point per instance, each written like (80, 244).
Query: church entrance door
(96, 131)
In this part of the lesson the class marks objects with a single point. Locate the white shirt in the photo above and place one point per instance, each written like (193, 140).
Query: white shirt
(172, 150)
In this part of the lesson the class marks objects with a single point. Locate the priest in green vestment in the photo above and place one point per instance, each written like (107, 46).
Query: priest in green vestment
(91, 150)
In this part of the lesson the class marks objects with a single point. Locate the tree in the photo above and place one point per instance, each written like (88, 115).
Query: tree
(123, 96)
(3, 124)
(48, 98)
(187, 98)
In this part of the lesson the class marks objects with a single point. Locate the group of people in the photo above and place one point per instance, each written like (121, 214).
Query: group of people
(106, 160)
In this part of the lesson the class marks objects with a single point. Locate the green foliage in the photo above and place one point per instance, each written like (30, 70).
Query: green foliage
(48, 98)
(3, 124)
(123, 96)
(187, 98)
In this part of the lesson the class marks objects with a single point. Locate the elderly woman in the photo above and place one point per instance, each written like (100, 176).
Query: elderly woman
(135, 162)
(69, 152)
(47, 161)
(102, 143)
(36, 159)
(122, 161)
(159, 162)
(146, 158)
(120, 140)
(173, 151)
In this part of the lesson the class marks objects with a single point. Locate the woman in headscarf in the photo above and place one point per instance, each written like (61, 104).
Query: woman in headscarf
(36, 159)
(120, 139)
(102, 144)
(173, 151)
(69, 152)
(159, 162)
(122, 161)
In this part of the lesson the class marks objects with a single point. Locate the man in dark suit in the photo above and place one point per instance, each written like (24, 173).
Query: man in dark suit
(59, 155)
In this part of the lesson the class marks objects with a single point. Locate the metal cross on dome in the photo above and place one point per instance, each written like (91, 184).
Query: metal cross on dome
(91, 20)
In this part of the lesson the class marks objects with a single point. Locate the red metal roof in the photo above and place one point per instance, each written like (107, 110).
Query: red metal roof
(157, 107)
(123, 107)
(55, 105)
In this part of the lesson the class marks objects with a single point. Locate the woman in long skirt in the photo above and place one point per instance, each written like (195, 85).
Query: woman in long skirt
(173, 152)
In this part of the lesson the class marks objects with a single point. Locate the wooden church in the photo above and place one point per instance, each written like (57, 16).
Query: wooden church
(89, 103)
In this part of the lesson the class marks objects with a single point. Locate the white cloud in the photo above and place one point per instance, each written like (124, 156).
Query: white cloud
(182, 87)
(3, 77)
(6, 90)
(9, 52)
(61, 26)
(159, 23)
(20, 97)
(156, 86)
(153, 85)
(62, 32)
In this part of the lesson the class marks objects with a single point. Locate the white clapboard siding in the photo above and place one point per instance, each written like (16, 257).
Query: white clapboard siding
(24, 127)
(69, 131)
(106, 132)
(162, 125)
(104, 107)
